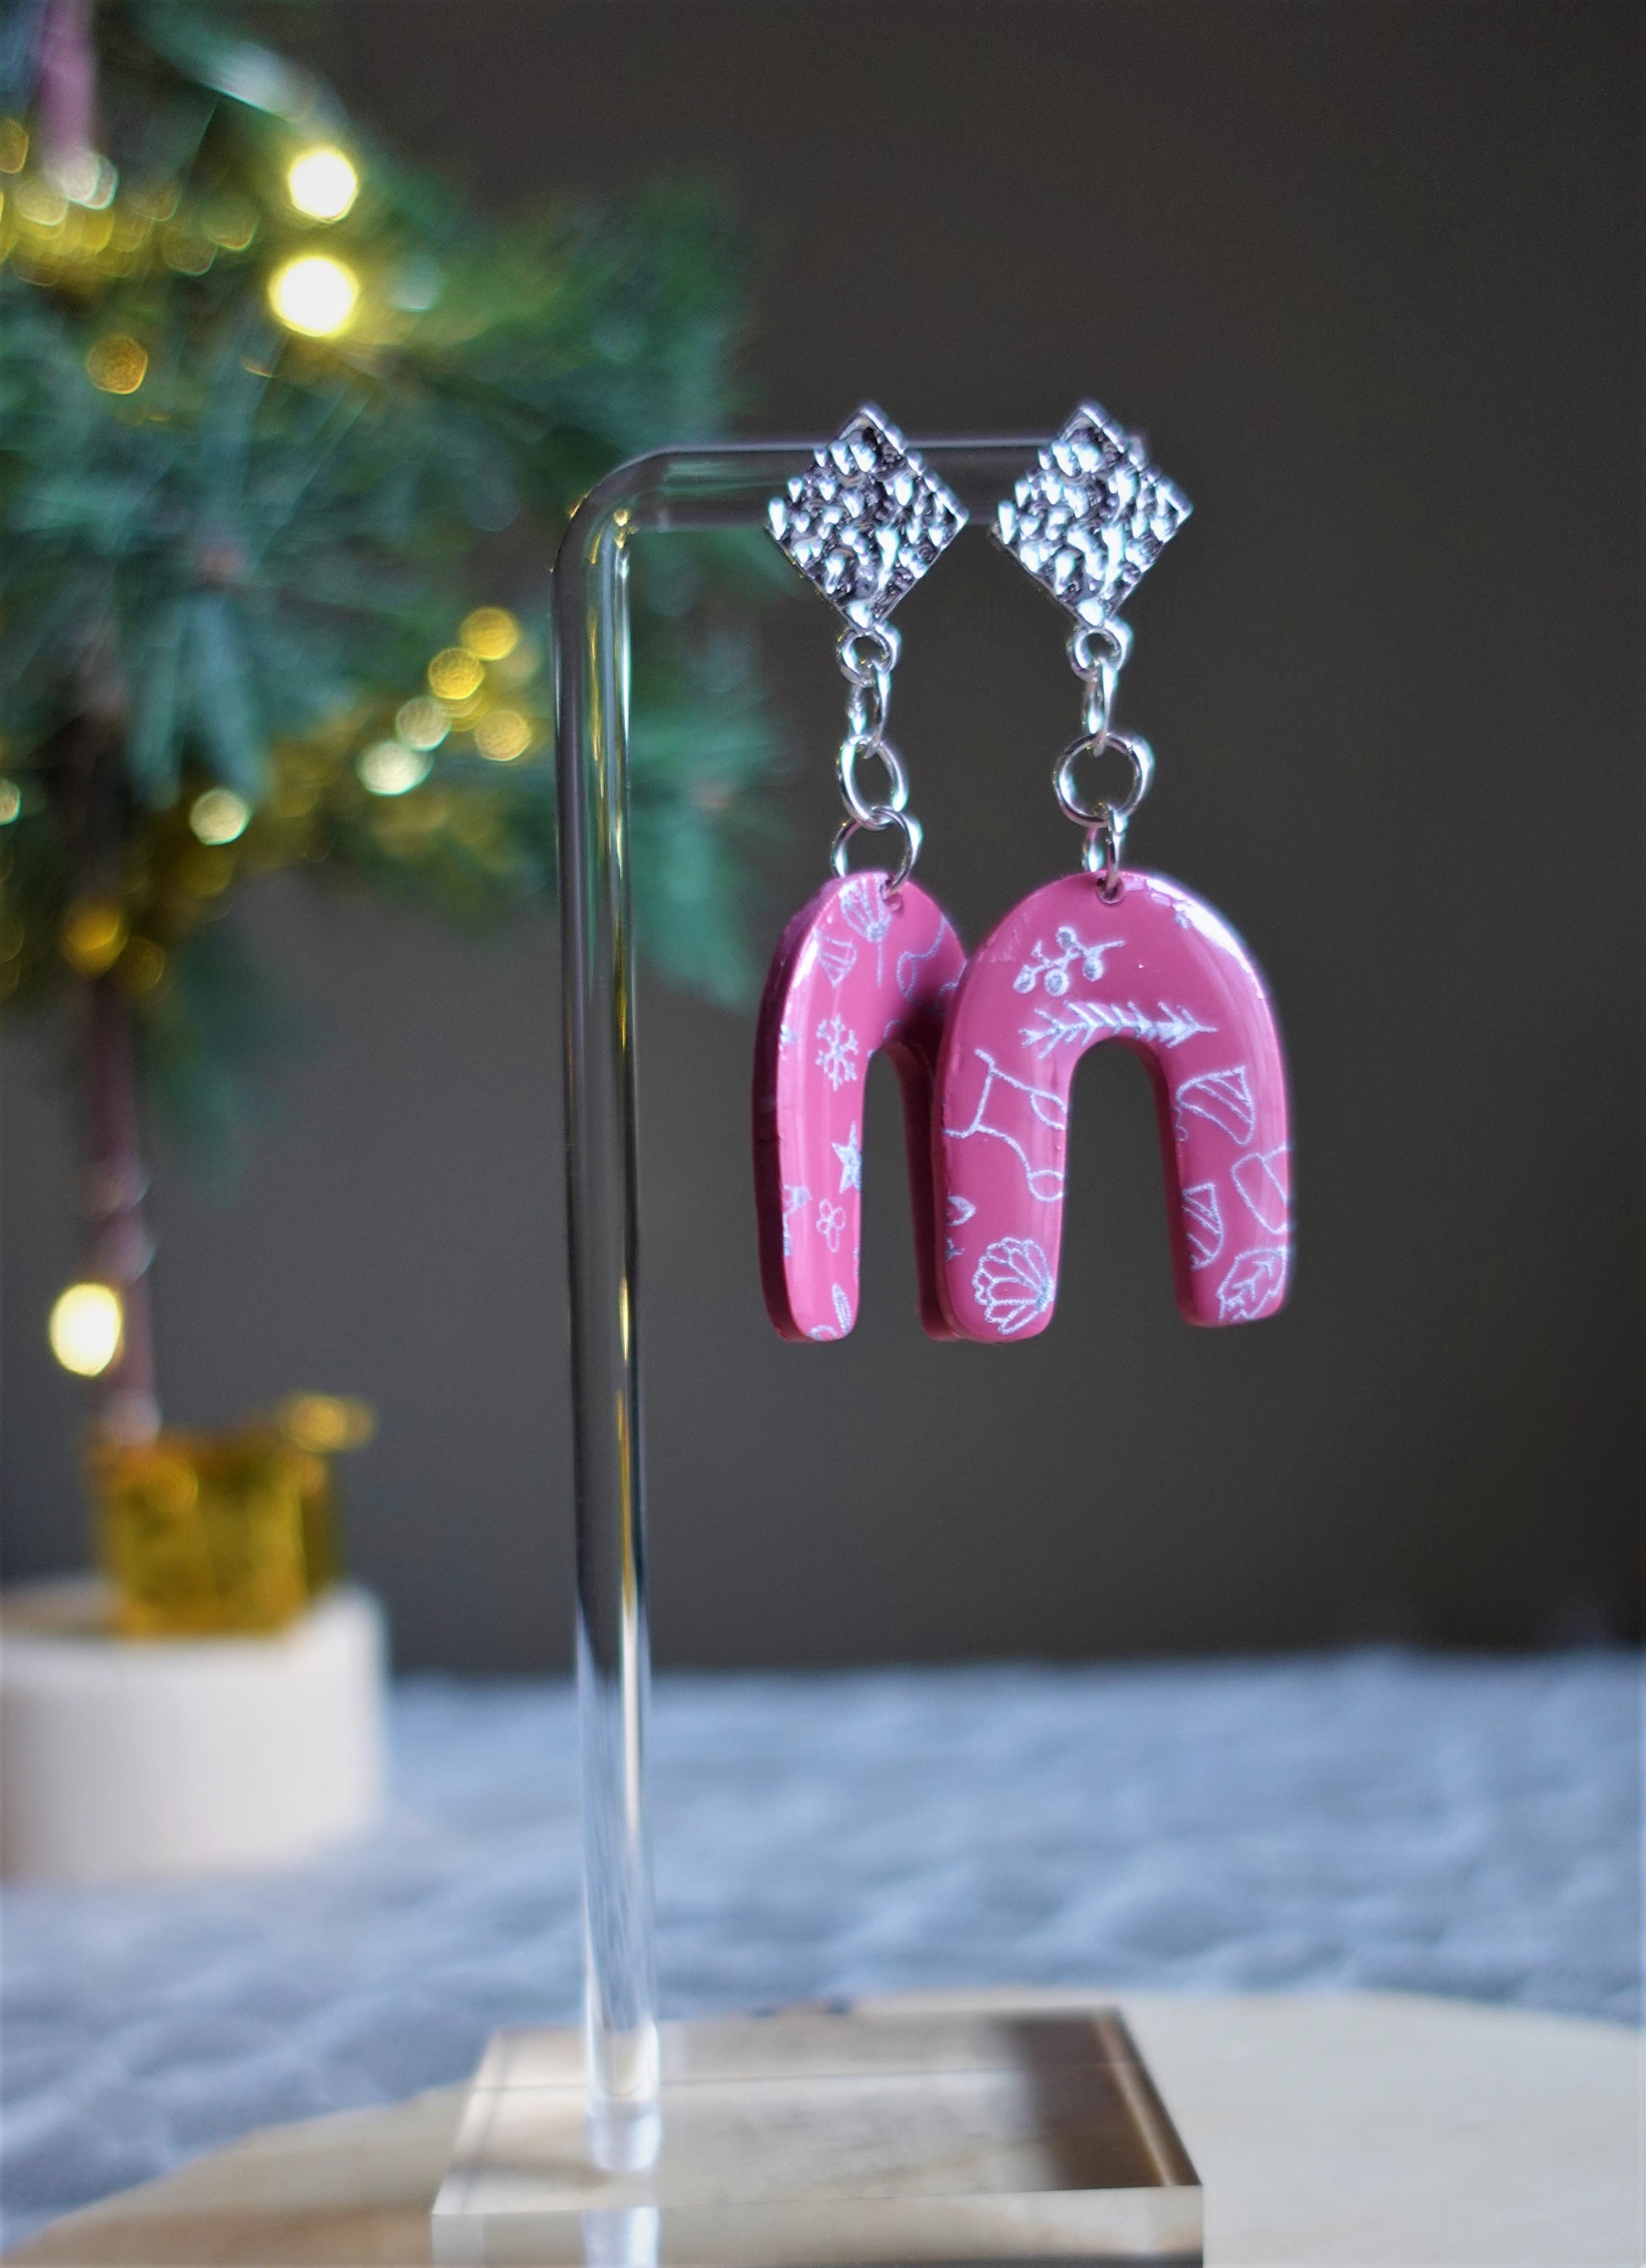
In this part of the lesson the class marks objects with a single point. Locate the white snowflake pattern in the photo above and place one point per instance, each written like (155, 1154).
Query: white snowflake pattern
(837, 1059)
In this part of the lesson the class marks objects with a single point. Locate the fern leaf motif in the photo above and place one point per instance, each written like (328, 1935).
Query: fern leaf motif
(1078, 1023)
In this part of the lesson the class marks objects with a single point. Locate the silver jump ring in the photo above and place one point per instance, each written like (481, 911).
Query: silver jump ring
(1114, 639)
(1139, 756)
(868, 651)
(867, 704)
(881, 816)
(1098, 703)
(1101, 855)
(861, 807)
(1097, 652)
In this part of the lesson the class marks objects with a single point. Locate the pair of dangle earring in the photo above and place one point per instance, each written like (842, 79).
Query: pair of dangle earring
(987, 1046)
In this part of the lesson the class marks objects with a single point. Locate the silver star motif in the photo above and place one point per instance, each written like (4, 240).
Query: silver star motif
(850, 1161)
(1092, 516)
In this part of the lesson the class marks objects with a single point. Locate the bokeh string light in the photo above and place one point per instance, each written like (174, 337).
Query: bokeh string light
(69, 223)
(219, 815)
(322, 184)
(315, 295)
(85, 1328)
(276, 693)
(116, 364)
(380, 778)
(390, 767)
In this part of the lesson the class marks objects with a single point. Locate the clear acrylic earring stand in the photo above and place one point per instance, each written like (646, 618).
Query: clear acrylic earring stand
(992, 2128)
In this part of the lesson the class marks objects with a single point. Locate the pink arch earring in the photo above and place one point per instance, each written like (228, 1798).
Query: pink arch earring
(871, 962)
(1110, 953)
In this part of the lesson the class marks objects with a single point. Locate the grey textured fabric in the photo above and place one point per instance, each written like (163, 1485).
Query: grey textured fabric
(1363, 1820)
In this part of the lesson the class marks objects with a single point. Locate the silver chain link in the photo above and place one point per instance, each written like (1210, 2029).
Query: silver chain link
(867, 658)
(1097, 655)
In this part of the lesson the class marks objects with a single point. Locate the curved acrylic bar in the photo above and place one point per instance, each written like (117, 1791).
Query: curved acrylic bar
(858, 969)
(1162, 974)
(724, 486)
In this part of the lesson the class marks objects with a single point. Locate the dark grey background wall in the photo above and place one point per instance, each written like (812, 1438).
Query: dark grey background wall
(1367, 274)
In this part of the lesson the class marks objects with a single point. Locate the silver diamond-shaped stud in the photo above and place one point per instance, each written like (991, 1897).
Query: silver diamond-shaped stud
(1092, 516)
(867, 520)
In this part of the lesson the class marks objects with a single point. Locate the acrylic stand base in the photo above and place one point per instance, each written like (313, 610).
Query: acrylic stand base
(814, 2137)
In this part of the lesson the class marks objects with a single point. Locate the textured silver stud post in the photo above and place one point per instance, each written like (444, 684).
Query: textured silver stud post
(1092, 516)
(867, 520)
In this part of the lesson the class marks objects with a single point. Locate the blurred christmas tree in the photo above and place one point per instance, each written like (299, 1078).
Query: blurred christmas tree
(266, 396)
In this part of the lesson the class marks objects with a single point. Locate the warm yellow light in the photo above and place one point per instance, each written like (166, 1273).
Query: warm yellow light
(325, 1422)
(13, 145)
(219, 815)
(94, 932)
(84, 178)
(423, 723)
(10, 801)
(142, 966)
(85, 1328)
(231, 222)
(455, 674)
(503, 736)
(315, 295)
(204, 871)
(523, 663)
(323, 183)
(187, 254)
(116, 364)
(491, 632)
(390, 767)
(41, 202)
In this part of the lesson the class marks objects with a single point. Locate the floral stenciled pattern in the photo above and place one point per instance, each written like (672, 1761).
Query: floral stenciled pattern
(1203, 1224)
(1053, 967)
(1161, 972)
(1084, 1021)
(857, 970)
(1261, 1178)
(1014, 1284)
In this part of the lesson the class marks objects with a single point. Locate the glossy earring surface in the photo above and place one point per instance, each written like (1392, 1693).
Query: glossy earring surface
(1158, 971)
(859, 970)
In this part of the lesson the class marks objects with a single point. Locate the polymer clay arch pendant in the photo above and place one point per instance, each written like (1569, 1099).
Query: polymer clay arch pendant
(1158, 970)
(861, 969)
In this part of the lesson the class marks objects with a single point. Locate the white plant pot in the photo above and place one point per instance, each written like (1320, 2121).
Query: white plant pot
(122, 1758)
